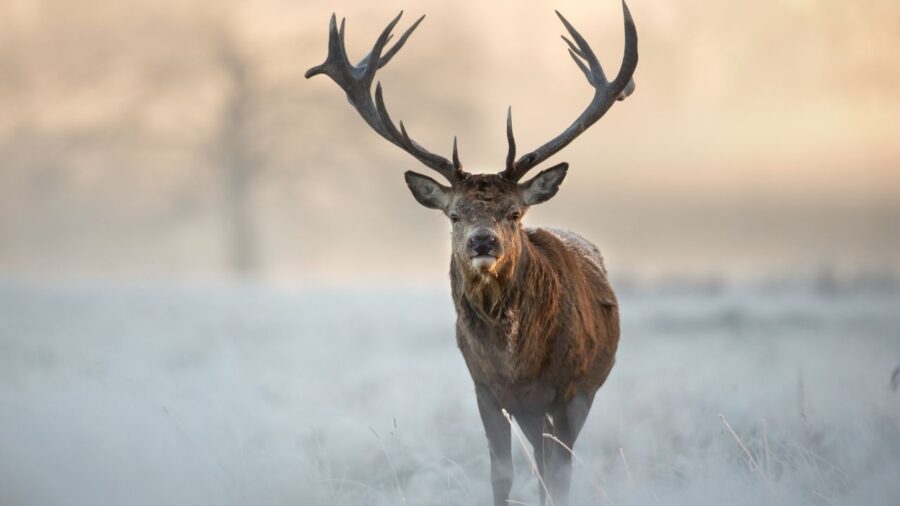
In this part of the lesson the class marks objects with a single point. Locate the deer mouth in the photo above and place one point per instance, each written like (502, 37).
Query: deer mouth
(484, 262)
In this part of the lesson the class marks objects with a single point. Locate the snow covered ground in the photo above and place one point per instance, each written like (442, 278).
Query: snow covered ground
(180, 395)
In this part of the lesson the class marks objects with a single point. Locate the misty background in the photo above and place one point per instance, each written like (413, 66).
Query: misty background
(215, 287)
(180, 140)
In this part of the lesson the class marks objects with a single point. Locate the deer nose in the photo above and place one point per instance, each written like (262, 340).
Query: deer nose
(482, 242)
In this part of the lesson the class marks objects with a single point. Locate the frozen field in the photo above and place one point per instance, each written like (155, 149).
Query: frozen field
(167, 395)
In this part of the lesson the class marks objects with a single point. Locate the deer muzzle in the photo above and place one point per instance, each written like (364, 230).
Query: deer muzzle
(484, 248)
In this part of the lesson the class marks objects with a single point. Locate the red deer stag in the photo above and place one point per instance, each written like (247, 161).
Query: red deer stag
(537, 321)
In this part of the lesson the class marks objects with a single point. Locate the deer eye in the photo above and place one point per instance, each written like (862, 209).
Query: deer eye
(514, 216)
(454, 218)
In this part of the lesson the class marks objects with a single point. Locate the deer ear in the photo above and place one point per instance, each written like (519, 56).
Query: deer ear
(427, 191)
(545, 185)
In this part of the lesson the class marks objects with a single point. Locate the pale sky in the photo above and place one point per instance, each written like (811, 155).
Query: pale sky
(761, 137)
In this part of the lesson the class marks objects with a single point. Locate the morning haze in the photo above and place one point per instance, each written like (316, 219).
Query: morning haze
(180, 139)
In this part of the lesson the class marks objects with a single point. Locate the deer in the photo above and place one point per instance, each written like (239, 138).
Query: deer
(537, 319)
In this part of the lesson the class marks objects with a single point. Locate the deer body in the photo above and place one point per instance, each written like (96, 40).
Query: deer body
(549, 331)
(537, 321)
(539, 343)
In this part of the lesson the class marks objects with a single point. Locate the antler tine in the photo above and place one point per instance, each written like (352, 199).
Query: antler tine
(375, 54)
(511, 141)
(581, 65)
(629, 59)
(402, 40)
(337, 57)
(343, 45)
(572, 46)
(356, 81)
(395, 135)
(393, 50)
(452, 171)
(584, 51)
(605, 94)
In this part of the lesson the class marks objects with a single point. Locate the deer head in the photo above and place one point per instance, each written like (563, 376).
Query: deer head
(485, 209)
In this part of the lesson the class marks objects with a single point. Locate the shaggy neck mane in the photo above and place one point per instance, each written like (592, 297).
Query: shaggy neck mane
(520, 304)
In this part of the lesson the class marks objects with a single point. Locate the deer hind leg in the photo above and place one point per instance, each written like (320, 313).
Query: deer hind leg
(534, 426)
(497, 430)
(568, 419)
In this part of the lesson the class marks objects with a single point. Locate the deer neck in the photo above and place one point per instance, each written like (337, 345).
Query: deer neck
(496, 296)
(514, 315)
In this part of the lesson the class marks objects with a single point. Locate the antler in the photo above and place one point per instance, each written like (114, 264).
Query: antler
(605, 94)
(356, 81)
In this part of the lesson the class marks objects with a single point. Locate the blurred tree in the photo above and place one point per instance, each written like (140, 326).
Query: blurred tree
(236, 157)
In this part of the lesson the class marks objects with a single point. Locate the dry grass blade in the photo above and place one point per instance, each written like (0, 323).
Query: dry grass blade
(751, 462)
(590, 474)
(767, 461)
(391, 465)
(465, 486)
(627, 467)
(534, 466)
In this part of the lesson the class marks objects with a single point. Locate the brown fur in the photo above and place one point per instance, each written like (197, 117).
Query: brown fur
(550, 320)
(537, 322)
